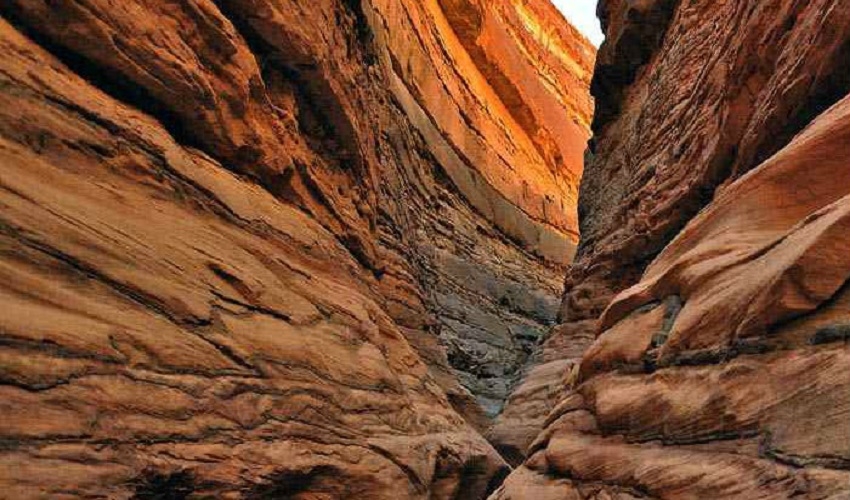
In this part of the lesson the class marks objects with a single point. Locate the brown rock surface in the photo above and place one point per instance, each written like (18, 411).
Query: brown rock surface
(487, 98)
(493, 82)
(265, 249)
(745, 392)
(554, 367)
(692, 94)
(721, 367)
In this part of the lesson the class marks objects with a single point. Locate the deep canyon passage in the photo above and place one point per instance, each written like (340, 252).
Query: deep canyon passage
(424, 249)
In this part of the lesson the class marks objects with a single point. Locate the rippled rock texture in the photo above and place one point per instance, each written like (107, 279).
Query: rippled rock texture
(266, 248)
(711, 282)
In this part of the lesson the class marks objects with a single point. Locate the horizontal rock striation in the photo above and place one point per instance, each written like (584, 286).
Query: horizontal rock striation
(713, 274)
(485, 98)
(272, 249)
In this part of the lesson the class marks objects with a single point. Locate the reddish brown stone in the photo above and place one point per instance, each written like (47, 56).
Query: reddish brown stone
(715, 252)
(247, 246)
(691, 95)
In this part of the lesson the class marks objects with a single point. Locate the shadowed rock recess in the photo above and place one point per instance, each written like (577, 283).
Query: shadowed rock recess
(704, 348)
(278, 248)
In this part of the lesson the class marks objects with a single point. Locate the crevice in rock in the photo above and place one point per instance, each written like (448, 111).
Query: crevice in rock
(458, 479)
(322, 480)
(291, 73)
(131, 293)
(620, 60)
(802, 462)
(321, 116)
(322, 119)
(831, 333)
(495, 482)
(155, 485)
(362, 29)
(510, 453)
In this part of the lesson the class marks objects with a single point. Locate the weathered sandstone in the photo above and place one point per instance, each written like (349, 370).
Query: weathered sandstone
(486, 84)
(277, 249)
(713, 268)
(730, 85)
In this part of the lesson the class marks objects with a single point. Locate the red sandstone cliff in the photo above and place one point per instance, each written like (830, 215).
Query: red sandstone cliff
(711, 283)
(277, 249)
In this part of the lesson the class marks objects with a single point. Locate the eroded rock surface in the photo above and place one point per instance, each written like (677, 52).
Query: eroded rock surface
(488, 85)
(713, 269)
(266, 248)
(730, 84)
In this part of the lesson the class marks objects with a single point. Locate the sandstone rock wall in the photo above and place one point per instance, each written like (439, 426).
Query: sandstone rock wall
(266, 248)
(711, 278)
(485, 98)
(705, 92)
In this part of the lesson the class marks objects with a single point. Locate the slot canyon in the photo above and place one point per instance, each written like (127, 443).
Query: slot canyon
(424, 249)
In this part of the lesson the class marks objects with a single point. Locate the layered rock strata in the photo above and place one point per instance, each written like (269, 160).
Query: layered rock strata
(712, 272)
(256, 248)
(488, 85)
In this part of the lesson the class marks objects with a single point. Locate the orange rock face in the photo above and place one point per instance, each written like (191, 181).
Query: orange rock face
(494, 84)
(277, 249)
(714, 264)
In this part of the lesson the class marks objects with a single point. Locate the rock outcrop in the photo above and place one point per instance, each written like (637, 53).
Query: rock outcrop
(711, 280)
(277, 249)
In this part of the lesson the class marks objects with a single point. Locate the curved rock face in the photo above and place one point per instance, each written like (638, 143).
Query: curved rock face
(486, 84)
(494, 83)
(713, 91)
(712, 276)
(266, 249)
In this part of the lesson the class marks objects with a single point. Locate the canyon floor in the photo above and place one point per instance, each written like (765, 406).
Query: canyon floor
(424, 249)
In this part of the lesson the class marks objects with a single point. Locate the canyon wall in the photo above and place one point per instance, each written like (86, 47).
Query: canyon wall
(710, 286)
(277, 249)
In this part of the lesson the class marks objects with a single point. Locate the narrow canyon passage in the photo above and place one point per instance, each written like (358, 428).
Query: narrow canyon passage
(425, 249)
